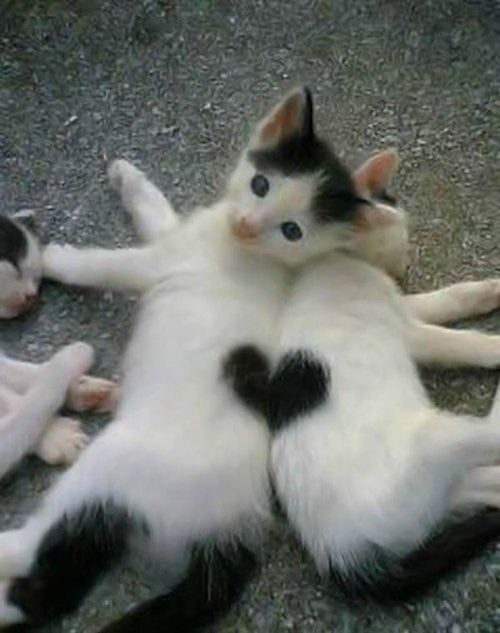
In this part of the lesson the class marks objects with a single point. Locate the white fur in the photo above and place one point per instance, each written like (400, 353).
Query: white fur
(30, 396)
(182, 452)
(378, 464)
(25, 416)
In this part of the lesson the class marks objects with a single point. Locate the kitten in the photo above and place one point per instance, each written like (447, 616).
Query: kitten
(31, 395)
(371, 475)
(181, 473)
(20, 266)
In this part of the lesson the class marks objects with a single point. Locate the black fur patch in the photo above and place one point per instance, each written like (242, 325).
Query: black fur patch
(336, 198)
(385, 579)
(387, 198)
(13, 242)
(247, 370)
(72, 556)
(299, 385)
(214, 582)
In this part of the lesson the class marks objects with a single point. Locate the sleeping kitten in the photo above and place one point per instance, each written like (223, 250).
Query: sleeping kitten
(372, 476)
(182, 472)
(20, 267)
(31, 395)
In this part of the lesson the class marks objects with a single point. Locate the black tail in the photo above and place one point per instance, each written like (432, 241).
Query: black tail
(214, 582)
(388, 580)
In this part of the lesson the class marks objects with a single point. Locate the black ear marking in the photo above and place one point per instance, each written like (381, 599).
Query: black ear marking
(308, 124)
(13, 242)
(27, 218)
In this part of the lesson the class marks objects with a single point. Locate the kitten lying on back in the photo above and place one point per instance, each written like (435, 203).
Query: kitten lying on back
(372, 476)
(182, 471)
(20, 266)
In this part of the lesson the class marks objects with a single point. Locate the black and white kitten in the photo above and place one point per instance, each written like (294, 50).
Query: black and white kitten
(372, 476)
(20, 266)
(181, 473)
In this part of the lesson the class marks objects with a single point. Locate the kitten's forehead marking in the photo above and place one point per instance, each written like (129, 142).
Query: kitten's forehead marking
(13, 242)
(334, 195)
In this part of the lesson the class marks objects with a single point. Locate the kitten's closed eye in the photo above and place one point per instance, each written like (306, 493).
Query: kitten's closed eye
(260, 185)
(291, 231)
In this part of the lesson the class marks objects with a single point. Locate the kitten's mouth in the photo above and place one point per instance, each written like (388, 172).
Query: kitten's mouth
(245, 230)
(19, 307)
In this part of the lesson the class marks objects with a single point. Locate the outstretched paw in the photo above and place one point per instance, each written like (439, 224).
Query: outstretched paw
(58, 262)
(490, 299)
(62, 442)
(121, 173)
(93, 394)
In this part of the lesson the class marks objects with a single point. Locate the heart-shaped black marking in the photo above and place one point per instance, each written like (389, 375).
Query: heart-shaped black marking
(298, 385)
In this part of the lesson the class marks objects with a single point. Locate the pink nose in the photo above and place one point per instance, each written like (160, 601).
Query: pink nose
(245, 229)
(30, 298)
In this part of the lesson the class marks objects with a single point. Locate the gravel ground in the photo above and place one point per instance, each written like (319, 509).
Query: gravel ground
(174, 87)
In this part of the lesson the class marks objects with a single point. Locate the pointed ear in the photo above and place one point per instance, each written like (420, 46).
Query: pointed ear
(375, 174)
(292, 116)
(372, 217)
(26, 217)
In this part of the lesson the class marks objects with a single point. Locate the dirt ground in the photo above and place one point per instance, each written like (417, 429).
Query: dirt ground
(175, 86)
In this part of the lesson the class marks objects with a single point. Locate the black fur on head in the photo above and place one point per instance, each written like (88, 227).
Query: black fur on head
(13, 242)
(302, 152)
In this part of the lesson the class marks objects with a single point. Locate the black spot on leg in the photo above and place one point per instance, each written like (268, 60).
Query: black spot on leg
(72, 555)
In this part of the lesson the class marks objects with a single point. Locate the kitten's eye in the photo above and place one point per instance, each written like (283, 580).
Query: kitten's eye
(291, 231)
(259, 185)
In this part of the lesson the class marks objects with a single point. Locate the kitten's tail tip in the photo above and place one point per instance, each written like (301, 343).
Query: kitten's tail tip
(388, 581)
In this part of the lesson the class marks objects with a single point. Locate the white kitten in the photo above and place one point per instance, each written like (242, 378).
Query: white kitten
(371, 475)
(182, 470)
(20, 267)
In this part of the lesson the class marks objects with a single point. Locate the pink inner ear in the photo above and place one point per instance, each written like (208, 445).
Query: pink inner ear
(375, 174)
(284, 121)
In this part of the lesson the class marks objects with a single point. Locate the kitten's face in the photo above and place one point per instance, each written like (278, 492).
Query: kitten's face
(291, 198)
(20, 268)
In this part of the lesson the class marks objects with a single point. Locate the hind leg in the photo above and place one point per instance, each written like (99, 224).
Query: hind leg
(480, 486)
(458, 301)
(151, 212)
(50, 565)
(437, 345)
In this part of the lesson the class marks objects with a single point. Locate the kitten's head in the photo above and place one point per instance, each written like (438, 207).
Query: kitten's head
(20, 267)
(291, 198)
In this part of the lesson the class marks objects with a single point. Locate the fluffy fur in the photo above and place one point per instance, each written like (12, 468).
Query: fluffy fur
(370, 473)
(183, 466)
(20, 266)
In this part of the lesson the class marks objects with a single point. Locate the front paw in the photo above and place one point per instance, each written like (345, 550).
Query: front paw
(93, 394)
(59, 262)
(62, 442)
(121, 174)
